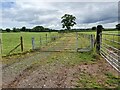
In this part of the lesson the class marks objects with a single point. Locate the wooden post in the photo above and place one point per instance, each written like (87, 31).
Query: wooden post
(33, 43)
(0, 46)
(76, 41)
(92, 41)
(21, 40)
(40, 41)
(98, 38)
(46, 39)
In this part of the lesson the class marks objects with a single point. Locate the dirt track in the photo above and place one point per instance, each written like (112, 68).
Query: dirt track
(55, 69)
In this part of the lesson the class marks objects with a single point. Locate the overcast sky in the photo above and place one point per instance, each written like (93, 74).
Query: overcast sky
(18, 13)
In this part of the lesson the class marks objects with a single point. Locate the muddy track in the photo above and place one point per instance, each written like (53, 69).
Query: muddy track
(47, 70)
(26, 71)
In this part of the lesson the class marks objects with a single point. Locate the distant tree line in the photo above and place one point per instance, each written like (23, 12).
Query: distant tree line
(43, 29)
(24, 29)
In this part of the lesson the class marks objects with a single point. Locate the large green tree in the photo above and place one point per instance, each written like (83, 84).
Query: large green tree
(68, 21)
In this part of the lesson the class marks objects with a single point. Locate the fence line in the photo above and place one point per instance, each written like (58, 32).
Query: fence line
(109, 52)
(43, 41)
(107, 47)
(20, 44)
(24, 45)
(90, 41)
(14, 48)
(0, 45)
(111, 40)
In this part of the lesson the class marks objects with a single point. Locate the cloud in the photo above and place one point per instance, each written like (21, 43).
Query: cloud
(63, 0)
(49, 14)
(7, 4)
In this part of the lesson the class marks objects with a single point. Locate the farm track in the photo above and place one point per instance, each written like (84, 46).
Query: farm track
(16, 75)
(45, 69)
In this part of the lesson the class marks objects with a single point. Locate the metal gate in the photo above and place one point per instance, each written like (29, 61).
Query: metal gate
(67, 42)
(71, 42)
(110, 49)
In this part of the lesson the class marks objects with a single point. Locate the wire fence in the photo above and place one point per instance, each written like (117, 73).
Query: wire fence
(85, 42)
(110, 49)
(44, 41)
(22, 42)
(60, 42)
(11, 43)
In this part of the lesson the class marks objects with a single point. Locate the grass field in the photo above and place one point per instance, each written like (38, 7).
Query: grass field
(94, 32)
(59, 69)
(110, 37)
(11, 40)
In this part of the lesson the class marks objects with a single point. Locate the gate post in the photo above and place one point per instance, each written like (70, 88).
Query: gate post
(98, 38)
(76, 41)
(40, 41)
(92, 41)
(33, 43)
(21, 40)
(46, 39)
(0, 46)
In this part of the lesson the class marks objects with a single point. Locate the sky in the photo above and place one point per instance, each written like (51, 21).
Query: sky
(31, 13)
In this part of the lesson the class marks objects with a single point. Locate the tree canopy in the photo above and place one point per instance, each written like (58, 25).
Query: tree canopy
(23, 29)
(68, 21)
(38, 28)
(8, 30)
(94, 28)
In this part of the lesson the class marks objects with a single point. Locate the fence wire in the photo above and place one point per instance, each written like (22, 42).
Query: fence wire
(44, 41)
(86, 42)
(48, 42)
(65, 42)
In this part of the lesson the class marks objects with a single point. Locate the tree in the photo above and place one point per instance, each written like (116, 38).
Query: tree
(93, 28)
(118, 26)
(68, 21)
(38, 28)
(16, 29)
(7, 29)
(23, 29)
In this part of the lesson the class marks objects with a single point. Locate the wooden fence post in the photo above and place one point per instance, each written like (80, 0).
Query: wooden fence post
(92, 41)
(21, 40)
(33, 43)
(40, 41)
(0, 46)
(76, 41)
(98, 38)
(46, 39)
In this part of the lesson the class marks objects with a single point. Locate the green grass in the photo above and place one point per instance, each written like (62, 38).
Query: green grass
(72, 59)
(94, 32)
(11, 40)
(65, 58)
(88, 81)
(111, 79)
(110, 37)
(83, 41)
